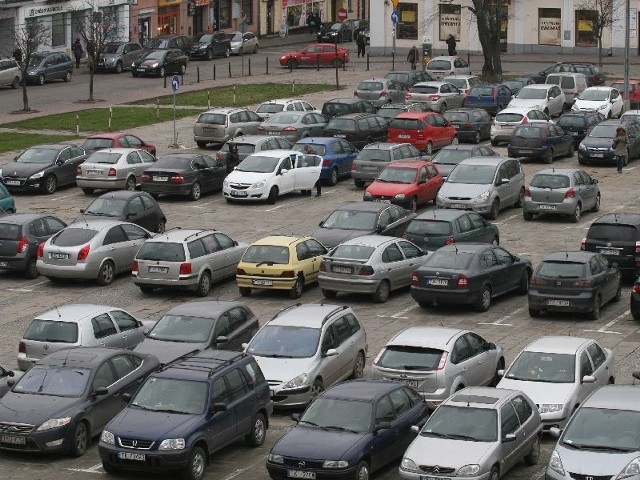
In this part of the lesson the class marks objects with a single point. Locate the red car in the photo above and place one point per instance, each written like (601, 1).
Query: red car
(100, 141)
(634, 91)
(407, 183)
(427, 131)
(323, 54)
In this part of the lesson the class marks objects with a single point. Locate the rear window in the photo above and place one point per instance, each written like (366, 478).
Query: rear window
(457, 116)
(353, 252)
(528, 132)
(335, 109)
(449, 259)
(571, 121)
(370, 86)
(52, 331)
(213, 118)
(266, 255)
(429, 227)
(104, 157)
(243, 148)
(550, 181)
(612, 233)
(406, 124)
(317, 148)
(482, 91)
(568, 83)
(439, 65)
(458, 82)
(165, 251)
(398, 77)
(424, 89)
(509, 117)
(270, 108)
(342, 124)
(373, 155)
(410, 358)
(561, 269)
(10, 232)
(553, 80)
(97, 143)
(169, 161)
(72, 237)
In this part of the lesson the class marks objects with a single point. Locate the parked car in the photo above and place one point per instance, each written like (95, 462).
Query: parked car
(119, 56)
(187, 411)
(428, 131)
(316, 54)
(343, 423)
(166, 42)
(46, 66)
(561, 191)
(516, 84)
(7, 203)
(370, 264)
(630, 115)
(160, 63)
(605, 100)
(337, 32)
(43, 168)
(294, 125)
(103, 140)
(375, 156)
(250, 144)
(571, 84)
(508, 119)
(79, 325)
(558, 374)
(189, 174)
(380, 91)
(113, 169)
(492, 97)
(634, 300)
(436, 228)
(458, 357)
(472, 124)
(634, 91)
(20, 235)
(597, 144)
(306, 348)
(207, 45)
(579, 124)
(594, 74)
(548, 98)
(337, 156)
(127, 206)
(463, 82)
(219, 125)
(10, 73)
(543, 140)
(271, 107)
(190, 259)
(576, 282)
(242, 43)
(408, 78)
(359, 129)
(448, 157)
(7, 377)
(440, 67)
(390, 110)
(342, 106)
(436, 96)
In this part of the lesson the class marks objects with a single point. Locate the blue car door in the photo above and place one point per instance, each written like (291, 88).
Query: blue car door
(383, 446)
(242, 401)
(403, 407)
(220, 428)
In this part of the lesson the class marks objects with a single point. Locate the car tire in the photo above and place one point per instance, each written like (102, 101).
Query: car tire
(455, 141)
(106, 274)
(317, 388)
(162, 225)
(119, 67)
(575, 216)
(245, 291)
(110, 469)
(194, 194)
(429, 149)
(495, 241)
(494, 143)
(413, 204)
(495, 209)
(520, 199)
(381, 294)
(596, 206)
(209, 55)
(534, 312)
(329, 293)
(571, 151)
(618, 294)
(523, 286)
(41, 79)
(202, 144)
(146, 289)
(87, 191)
(337, 63)
(31, 271)
(534, 454)
(495, 473)
(80, 440)
(196, 466)
(358, 183)
(130, 184)
(595, 313)
(67, 77)
(292, 64)
(49, 184)
(548, 156)
(333, 177)
(163, 72)
(483, 302)
(358, 367)
(362, 471)
(258, 433)
(496, 377)
(476, 138)
(298, 287)
(528, 216)
(134, 74)
(443, 108)
(204, 285)
(273, 196)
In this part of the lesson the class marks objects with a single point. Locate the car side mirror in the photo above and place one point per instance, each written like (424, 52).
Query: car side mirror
(219, 407)
(283, 171)
(321, 223)
(555, 432)
(415, 429)
(82, 210)
(222, 339)
(382, 426)
(332, 352)
(503, 181)
(59, 162)
(10, 373)
(509, 437)
(501, 373)
(130, 214)
(295, 417)
(126, 397)
(492, 346)
(588, 379)
(99, 392)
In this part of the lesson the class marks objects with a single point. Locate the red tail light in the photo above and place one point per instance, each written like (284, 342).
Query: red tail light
(450, 240)
(112, 172)
(145, 178)
(527, 192)
(434, 98)
(177, 179)
(22, 348)
(40, 250)
(366, 270)
(323, 267)
(185, 268)
(219, 156)
(383, 93)
(583, 283)
(78, 170)
(289, 129)
(327, 163)
(415, 279)
(84, 252)
(525, 120)
(537, 281)
(23, 245)
(637, 247)
(407, 96)
(261, 128)
(636, 288)
(576, 94)
(443, 360)
(463, 281)
(288, 274)
(134, 266)
(354, 167)
(240, 271)
(467, 126)
(495, 95)
(571, 193)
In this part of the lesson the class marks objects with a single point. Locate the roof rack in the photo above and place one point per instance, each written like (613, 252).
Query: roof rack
(211, 365)
(332, 313)
(201, 231)
(285, 309)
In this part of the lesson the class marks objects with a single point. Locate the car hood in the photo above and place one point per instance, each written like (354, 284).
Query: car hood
(34, 409)
(594, 463)
(469, 190)
(445, 168)
(167, 351)
(316, 443)
(283, 369)
(390, 189)
(87, 217)
(155, 426)
(531, 103)
(149, 61)
(22, 169)
(330, 237)
(597, 142)
(449, 453)
(540, 392)
(247, 177)
(110, 56)
(588, 104)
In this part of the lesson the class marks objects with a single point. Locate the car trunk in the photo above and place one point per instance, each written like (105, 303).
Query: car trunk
(411, 365)
(44, 337)
(429, 234)
(163, 176)
(617, 242)
(373, 91)
(61, 256)
(527, 137)
(438, 279)
(211, 125)
(480, 97)
(508, 120)
(158, 269)
(561, 278)
(95, 170)
(160, 260)
(343, 267)
(548, 195)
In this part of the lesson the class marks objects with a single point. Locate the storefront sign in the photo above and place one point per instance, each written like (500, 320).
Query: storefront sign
(450, 21)
(168, 3)
(549, 31)
(43, 11)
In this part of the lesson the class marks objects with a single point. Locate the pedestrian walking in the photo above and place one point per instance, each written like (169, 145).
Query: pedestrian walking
(77, 51)
(620, 146)
(412, 57)
(232, 157)
(451, 45)
(361, 41)
(311, 22)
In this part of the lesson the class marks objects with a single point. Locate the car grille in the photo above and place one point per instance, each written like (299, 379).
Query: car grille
(580, 476)
(239, 186)
(459, 198)
(436, 469)
(135, 443)
(15, 428)
(300, 463)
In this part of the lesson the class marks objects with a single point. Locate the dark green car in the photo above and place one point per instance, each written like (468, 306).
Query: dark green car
(436, 228)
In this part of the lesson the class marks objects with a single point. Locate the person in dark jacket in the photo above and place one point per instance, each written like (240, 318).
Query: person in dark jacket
(361, 41)
(620, 146)
(77, 51)
(412, 57)
(232, 157)
(451, 45)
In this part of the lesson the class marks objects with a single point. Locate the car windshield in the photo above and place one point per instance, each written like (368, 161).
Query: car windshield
(532, 94)
(481, 91)
(36, 60)
(205, 38)
(595, 95)
(52, 331)
(237, 37)
(97, 143)
(187, 397)
(561, 269)
(270, 108)
(266, 255)
(336, 26)
(72, 237)
(351, 220)
(430, 227)
(284, 118)
(604, 131)
(374, 155)
(528, 131)
(543, 180)
(335, 109)
(603, 429)
(509, 117)
(112, 48)
(462, 423)
(450, 156)
(182, 328)
(283, 341)
(9, 231)
(352, 252)
(161, 251)
(352, 416)
(370, 86)
(258, 164)
(342, 124)
(212, 118)
(401, 357)
(104, 157)
(439, 65)
(397, 175)
(154, 55)
(449, 259)
(56, 381)
(472, 174)
(456, 117)
(108, 207)
(612, 233)
(543, 367)
(38, 155)
(317, 148)
(172, 162)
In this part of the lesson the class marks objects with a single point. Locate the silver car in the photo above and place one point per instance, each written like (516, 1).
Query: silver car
(444, 66)
(479, 433)
(118, 56)
(380, 91)
(186, 259)
(250, 144)
(271, 107)
(10, 73)
(220, 125)
(559, 373)
(372, 264)
(305, 349)
(6, 377)
(509, 118)
(294, 125)
(91, 250)
(436, 96)
(113, 169)
(242, 43)
(463, 82)
(79, 325)
(561, 191)
(439, 361)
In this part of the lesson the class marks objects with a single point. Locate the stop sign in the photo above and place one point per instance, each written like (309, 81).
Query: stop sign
(342, 14)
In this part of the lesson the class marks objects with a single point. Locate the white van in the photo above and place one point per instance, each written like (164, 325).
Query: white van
(572, 85)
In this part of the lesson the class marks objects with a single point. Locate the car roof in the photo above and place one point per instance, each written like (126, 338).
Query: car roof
(539, 86)
(459, 146)
(480, 397)
(556, 344)
(125, 194)
(87, 357)
(200, 365)
(600, 87)
(522, 110)
(397, 105)
(417, 115)
(111, 135)
(22, 218)
(424, 336)
(485, 160)
(203, 308)
(75, 312)
(179, 234)
(612, 121)
(409, 163)
(274, 153)
(375, 79)
(465, 247)
(430, 83)
(557, 171)
(253, 139)
(50, 146)
(577, 256)
(446, 214)
(364, 389)
(614, 397)
(383, 145)
(226, 110)
(464, 77)
(118, 150)
(355, 115)
(309, 315)
(279, 240)
(317, 140)
(95, 223)
(344, 100)
(467, 110)
(624, 218)
(370, 240)
(445, 57)
(282, 101)
(364, 206)
(631, 112)
(186, 156)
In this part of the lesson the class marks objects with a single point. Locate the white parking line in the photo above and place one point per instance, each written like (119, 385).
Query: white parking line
(603, 329)
(95, 469)
(500, 321)
(55, 199)
(26, 288)
(239, 471)
(202, 205)
(274, 208)
(506, 219)
(399, 315)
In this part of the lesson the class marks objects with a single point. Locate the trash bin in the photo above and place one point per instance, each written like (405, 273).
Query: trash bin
(426, 54)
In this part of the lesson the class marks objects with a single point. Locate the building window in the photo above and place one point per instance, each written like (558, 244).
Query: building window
(247, 10)
(58, 34)
(110, 21)
(585, 20)
(549, 26)
(408, 24)
(450, 21)
(223, 14)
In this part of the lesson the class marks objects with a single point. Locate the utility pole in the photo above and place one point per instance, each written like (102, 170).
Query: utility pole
(627, 21)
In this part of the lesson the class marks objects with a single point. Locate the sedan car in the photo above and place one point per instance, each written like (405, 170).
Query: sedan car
(606, 100)
(135, 207)
(113, 169)
(314, 55)
(343, 423)
(370, 264)
(558, 374)
(169, 41)
(96, 250)
(189, 174)
(160, 63)
(472, 124)
(436, 96)
(440, 67)
(438, 361)
(546, 141)
(46, 66)
(380, 91)
(546, 97)
(68, 397)
(426, 131)
(7, 377)
(408, 78)
(79, 325)
(478, 432)
(207, 45)
(103, 140)
(596, 147)
(43, 168)
(506, 121)
(337, 32)
(451, 155)
(242, 43)
(576, 282)
(294, 125)
(561, 192)
(337, 156)
(469, 273)
(118, 56)
(273, 106)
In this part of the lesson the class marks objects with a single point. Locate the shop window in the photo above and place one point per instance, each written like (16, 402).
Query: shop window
(585, 21)
(549, 26)
(408, 24)
(58, 34)
(110, 21)
(247, 10)
(450, 20)
(224, 14)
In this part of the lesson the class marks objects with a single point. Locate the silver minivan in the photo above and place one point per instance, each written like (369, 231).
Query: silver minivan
(571, 84)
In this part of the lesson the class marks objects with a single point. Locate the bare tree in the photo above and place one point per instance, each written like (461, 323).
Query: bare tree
(27, 38)
(489, 15)
(601, 16)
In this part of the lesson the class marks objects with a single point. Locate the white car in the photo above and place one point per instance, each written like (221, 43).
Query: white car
(548, 98)
(606, 100)
(509, 118)
(269, 174)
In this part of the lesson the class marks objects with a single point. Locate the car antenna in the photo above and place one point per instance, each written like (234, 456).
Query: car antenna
(64, 363)
(58, 312)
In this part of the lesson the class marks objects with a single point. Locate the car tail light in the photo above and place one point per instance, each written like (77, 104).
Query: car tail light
(434, 98)
(576, 94)
(570, 193)
(366, 270)
(527, 192)
(468, 126)
(289, 129)
(636, 288)
(240, 271)
(495, 95)
(323, 267)
(112, 172)
(219, 156)
(145, 178)
(450, 240)
(326, 162)
(407, 96)
(383, 93)
(288, 274)
(637, 247)
(463, 281)
(583, 244)
(261, 128)
(78, 170)
(354, 167)
(22, 348)
(177, 179)
(23, 245)
(525, 120)
(40, 250)
(537, 281)
(134, 266)
(415, 279)
(84, 252)
(443, 360)
(185, 268)
(582, 283)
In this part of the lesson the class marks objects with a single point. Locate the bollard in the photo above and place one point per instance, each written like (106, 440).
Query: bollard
(182, 79)
(208, 101)
(229, 69)
(293, 85)
(198, 74)
(77, 125)
(234, 94)
(165, 82)
(367, 62)
(158, 107)
(267, 64)
(249, 64)
(110, 116)
(214, 71)
(393, 60)
(318, 63)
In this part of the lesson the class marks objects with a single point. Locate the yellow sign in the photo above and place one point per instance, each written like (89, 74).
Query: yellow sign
(168, 3)
(395, 4)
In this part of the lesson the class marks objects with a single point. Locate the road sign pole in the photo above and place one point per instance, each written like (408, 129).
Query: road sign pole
(175, 84)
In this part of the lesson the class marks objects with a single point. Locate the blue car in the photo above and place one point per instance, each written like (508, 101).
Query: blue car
(349, 431)
(337, 153)
(493, 97)
(7, 204)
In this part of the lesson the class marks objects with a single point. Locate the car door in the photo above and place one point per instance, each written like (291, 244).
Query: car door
(329, 365)
(115, 246)
(345, 344)
(600, 365)
(403, 407)
(384, 443)
(63, 168)
(131, 331)
(511, 272)
(102, 408)
(311, 55)
(242, 327)
(104, 332)
(232, 252)
(310, 253)
(462, 364)
(134, 166)
(214, 257)
(588, 189)
(147, 162)
(490, 271)
(285, 175)
(509, 425)
(220, 428)
(135, 237)
(394, 265)
(484, 358)
(528, 431)
(481, 229)
(413, 258)
(431, 184)
(307, 170)
(135, 213)
(586, 368)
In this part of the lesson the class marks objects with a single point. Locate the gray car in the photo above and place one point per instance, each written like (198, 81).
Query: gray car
(113, 169)
(222, 124)
(186, 259)
(478, 433)
(441, 360)
(372, 159)
(271, 107)
(305, 349)
(79, 325)
(242, 43)
(448, 157)
(561, 191)
(250, 144)
(436, 96)
(380, 91)
(118, 56)
(294, 125)
(6, 377)
(96, 250)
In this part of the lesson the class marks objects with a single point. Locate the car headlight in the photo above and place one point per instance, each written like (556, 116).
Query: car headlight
(283, 57)
(202, 47)
(632, 469)
(155, 65)
(296, 382)
(54, 423)
(469, 469)
(400, 196)
(408, 465)
(367, 195)
(172, 444)
(108, 437)
(550, 407)
(0, 173)
(259, 184)
(225, 183)
(440, 197)
(581, 147)
(335, 464)
(275, 458)
(133, 64)
(555, 463)
(483, 197)
(602, 107)
(37, 175)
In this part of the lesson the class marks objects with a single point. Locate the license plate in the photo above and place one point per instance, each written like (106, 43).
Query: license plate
(12, 182)
(274, 133)
(422, 477)
(411, 383)
(138, 457)
(13, 440)
(525, 150)
(238, 193)
(370, 169)
(458, 205)
(300, 474)
(382, 200)
(597, 155)
(59, 256)
(265, 283)
(404, 136)
(342, 270)
(93, 172)
(158, 269)
(558, 303)
(160, 179)
(547, 207)
(439, 282)
(575, 134)
(608, 251)
(141, 69)
(339, 135)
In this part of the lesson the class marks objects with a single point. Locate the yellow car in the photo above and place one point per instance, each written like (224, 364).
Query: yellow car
(280, 263)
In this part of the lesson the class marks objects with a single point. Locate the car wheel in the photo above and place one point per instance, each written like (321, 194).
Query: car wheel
(596, 206)
(258, 431)
(292, 64)
(31, 271)
(106, 274)
(255, 50)
(528, 216)
(571, 151)
(534, 312)
(362, 472)
(329, 293)
(298, 288)
(429, 148)
(575, 216)
(496, 377)
(534, 454)
(494, 143)
(227, 53)
(162, 225)
(204, 285)
(520, 199)
(443, 107)
(381, 294)
(209, 55)
(110, 469)
(163, 72)
(130, 184)
(484, 299)
(546, 112)
(358, 183)
(41, 79)
(548, 156)
(87, 191)
(476, 138)
(495, 209)
(80, 440)
(358, 367)
(523, 286)
(273, 196)
(134, 74)
(195, 192)
(146, 290)
(618, 294)
(595, 313)
(495, 473)
(455, 141)
(119, 67)
(333, 177)
(202, 144)
(413, 204)
(245, 291)
(495, 241)
(609, 115)
(16, 83)
(336, 63)
(316, 389)
(197, 463)
(49, 184)
(67, 77)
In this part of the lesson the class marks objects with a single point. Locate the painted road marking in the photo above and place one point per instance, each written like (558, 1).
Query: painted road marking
(399, 315)
(603, 329)
(97, 468)
(202, 205)
(26, 288)
(500, 321)
(506, 219)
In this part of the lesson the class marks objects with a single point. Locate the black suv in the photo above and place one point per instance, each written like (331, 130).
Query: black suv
(185, 412)
(594, 74)
(579, 124)
(211, 44)
(358, 128)
(341, 106)
(616, 236)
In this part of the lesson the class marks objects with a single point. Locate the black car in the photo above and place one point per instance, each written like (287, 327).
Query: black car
(335, 33)
(472, 124)
(469, 273)
(594, 74)
(545, 141)
(362, 424)
(68, 397)
(390, 110)
(448, 157)
(634, 301)
(185, 412)
(20, 235)
(358, 128)
(578, 124)
(408, 78)
(43, 168)
(207, 45)
(45, 66)
(189, 174)
(573, 282)
(616, 236)
(342, 106)
(135, 207)
(160, 63)
(596, 146)
(181, 42)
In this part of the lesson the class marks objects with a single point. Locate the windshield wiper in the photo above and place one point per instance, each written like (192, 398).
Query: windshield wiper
(170, 410)
(459, 436)
(605, 448)
(310, 423)
(342, 429)
(272, 355)
(264, 263)
(143, 407)
(98, 214)
(436, 434)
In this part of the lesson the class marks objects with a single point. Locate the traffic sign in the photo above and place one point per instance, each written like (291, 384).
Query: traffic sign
(395, 16)
(175, 83)
(395, 4)
(342, 14)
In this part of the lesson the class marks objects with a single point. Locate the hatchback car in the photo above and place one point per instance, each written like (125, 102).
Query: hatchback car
(408, 78)
(370, 264)
(242, 43)
(595, 75)
(250, 144)
(103, 140)
(596, 147)
(186, 259)
(472, 124)
(548, 98)
(436, 96)
(165, 42)
(342, 106)
(606, 100)
(561, 192)
(451, 155)
(441, 360)
(271, 107)
(634, 91)
(46, 66)
(337, 156)
(10, 73)
(113, 169)
(478, 432)
(558, 374)
(428, 131)
(79, 325)
(440, 67)
(376, 156)
(463, 82)
(579, 124)
(160, 63)
(390, 110)
(546, 141)
(293, 125)
(491, 97)
(119, 56)
(316, 55)
(306, 348)
(360, 129)
(516, 84)
(220, 125)
(573, 282)
(380, 91)
(571, 84)
(506, 121)
(207, 45)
